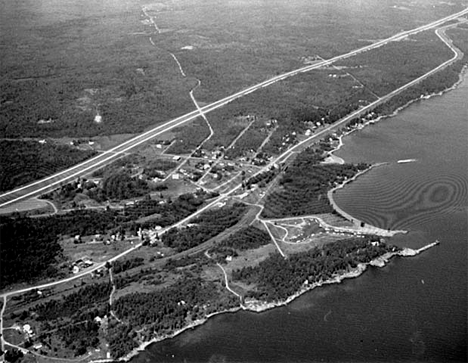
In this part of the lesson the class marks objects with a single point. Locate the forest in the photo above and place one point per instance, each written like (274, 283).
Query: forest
(204, 227)
(29, 251)
(277, 278)
(247, 238)
(22, 162)
(304, 185)
(166, 310)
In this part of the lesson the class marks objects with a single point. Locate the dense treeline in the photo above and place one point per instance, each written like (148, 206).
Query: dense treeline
(247, 238)
(166, 310)
(121, 339)
(206, 226)
(29, 251)
(277, 278)
(80, 336)
(261, 179)
(305, 184)
(84, 304)
(119, 186)
(119, 266)
(22, 162)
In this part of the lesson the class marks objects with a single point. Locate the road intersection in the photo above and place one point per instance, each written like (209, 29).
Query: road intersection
(52, 182)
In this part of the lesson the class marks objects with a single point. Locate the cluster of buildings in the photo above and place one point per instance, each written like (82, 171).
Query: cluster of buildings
(81, 264)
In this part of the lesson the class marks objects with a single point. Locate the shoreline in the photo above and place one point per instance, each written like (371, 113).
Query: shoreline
(381, 261)
(257, 306)
(332, 157)
(362, 227)
(359, 127)
(157, 339)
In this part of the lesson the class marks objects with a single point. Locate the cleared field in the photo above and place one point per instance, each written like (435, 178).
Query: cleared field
(28, 205)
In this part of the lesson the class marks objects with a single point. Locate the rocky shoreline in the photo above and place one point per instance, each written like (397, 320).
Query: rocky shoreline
(260, 306)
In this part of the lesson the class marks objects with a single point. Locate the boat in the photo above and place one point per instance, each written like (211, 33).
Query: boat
(406, 161)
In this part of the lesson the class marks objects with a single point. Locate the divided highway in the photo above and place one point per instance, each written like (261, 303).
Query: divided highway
(52, 182)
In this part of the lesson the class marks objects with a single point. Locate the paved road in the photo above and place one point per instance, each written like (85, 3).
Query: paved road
(52, 182)
(92, 164)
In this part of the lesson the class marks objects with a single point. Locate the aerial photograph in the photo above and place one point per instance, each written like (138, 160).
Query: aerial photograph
(233, 181)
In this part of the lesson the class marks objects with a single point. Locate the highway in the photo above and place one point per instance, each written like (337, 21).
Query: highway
(52, 182)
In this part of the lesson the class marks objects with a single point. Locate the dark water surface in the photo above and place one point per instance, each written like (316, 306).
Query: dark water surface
(414, 309)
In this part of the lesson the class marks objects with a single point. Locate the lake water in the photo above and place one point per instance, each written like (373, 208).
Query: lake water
(414, 309)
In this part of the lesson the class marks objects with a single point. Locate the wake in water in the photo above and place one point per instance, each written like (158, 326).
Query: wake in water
(398, 203)
(406, 161)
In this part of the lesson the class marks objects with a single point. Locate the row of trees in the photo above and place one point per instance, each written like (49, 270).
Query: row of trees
(206, 226)
(261, 179)
(119, 266)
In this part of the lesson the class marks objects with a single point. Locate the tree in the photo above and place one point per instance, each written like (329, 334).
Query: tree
(12, 355)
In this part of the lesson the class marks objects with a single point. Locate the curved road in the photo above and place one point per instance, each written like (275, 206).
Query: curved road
(52, 182)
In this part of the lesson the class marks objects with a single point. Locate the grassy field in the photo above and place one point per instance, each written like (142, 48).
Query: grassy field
(33, 205)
